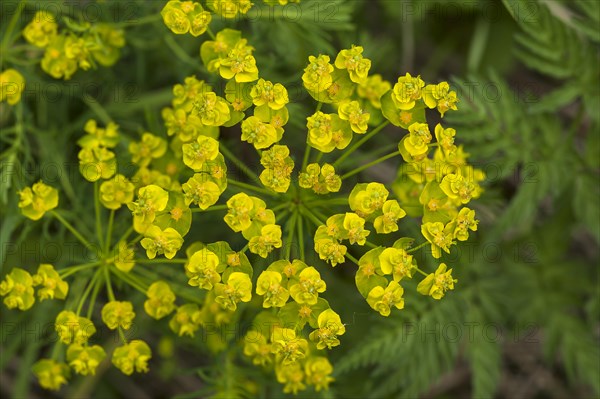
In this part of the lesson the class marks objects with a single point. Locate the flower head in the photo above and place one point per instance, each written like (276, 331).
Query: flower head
(17, 289)
(35, 201)
(436, 284)
(131, 357)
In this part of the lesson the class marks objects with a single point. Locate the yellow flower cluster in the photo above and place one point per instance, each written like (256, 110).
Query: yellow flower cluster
(297, 361)
(185, 171)
(186, 16)
(321, 179)
(81, 45)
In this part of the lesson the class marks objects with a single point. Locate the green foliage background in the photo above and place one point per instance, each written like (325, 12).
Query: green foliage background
(528, 301)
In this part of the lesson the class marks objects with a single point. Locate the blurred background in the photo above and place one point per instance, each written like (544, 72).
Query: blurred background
(523, 320)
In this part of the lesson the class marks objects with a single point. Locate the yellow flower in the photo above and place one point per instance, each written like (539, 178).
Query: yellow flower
(456, 187)
(366, 198)
(352, 112)
(373, 89)
(151, 147)
(407, 91)
(418, 139)
(239, 64)
(116, 192)
(439, 236)
(12, 84)
(161, 300)
(354, 225)
(158, 241)
(261, 135)
(465, 221)
(387, 223)
(97, 163)
(286, 346)
(211, 109)
(151, 199)
(72, 328)
(17, 288)
(269, 239)
(278, 168)
(51, 374)
(132, 357)
(307, 289)
(330, 326)
(187, 16)
(99, 137)
(382, 299)
(317, 75)
(183, 322)
(240, 206)
(37, 200)
(202, 150)
(273, 95)
(327, 132)
(229, 8)
(238, 288)
(108, 42)
(441, 97)
(321, 180)
(318, 372)
(257, 348)
(56, 62)
(269, 286)
(397, 262)
(436, 284)
(201, 190)
(117, 314)
(52, 285)
(291, 375)
(124, 259)
(445, 137)
(41, 30)
(202, 269)
(330, 250)
(357, 66)
(85, 359)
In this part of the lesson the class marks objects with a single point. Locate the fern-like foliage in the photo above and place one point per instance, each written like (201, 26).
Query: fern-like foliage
(562, 43)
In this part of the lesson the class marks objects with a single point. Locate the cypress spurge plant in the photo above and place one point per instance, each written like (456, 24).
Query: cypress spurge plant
(283, 211)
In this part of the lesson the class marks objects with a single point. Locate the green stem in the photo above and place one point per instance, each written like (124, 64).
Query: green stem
(306, 212)
(417, 247)
(290, 237)
(319, 156)
(352, 258)
(210, 33)
(373, 163)
(74, 231)
(422, 272)
(87, 291)
(130, 280)
(122, 335)
(111, 294)
(356, 146)
(124, 237)
(237, 162)
(67, 271)
(97, 208)
(109, 230)
(251, 187)
(93, 299)
(306, 156)
(301, 235)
